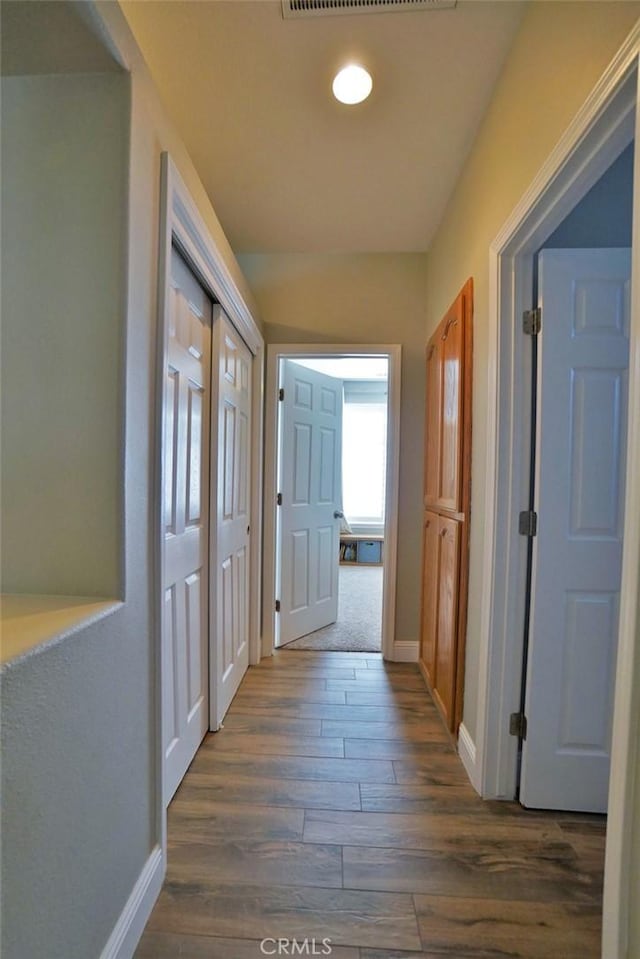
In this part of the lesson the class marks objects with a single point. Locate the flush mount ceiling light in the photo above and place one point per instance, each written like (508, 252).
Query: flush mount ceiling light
(352, 84)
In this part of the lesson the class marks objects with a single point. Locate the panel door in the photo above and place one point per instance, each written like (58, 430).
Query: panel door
(450, 459)
(582, 389)
(430, 577)
(231, 530)
(432, 421)
(311, 487)
(185, 480)
(447, 615)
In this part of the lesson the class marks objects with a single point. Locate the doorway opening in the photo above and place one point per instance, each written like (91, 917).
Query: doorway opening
(352, 619)
(579, 361)
(331, 497)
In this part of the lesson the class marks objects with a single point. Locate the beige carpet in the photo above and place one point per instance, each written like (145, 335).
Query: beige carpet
(359, 624)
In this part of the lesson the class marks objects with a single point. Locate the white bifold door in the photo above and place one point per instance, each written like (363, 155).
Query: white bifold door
(230, 512)
(185, 483)
(581, 435)
(310, 488)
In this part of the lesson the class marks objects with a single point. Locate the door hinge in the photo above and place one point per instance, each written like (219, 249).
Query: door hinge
(277, 606)
(279, 499)
(518, 725)
(281, 393)
(532, 321)
(528, 523)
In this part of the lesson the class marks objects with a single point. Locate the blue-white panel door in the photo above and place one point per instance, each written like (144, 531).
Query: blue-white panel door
(311, 486)
(581, 430)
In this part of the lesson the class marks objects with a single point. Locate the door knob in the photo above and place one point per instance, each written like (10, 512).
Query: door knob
(338, 514)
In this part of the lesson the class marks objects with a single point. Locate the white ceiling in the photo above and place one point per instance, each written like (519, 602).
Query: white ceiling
(289, 169)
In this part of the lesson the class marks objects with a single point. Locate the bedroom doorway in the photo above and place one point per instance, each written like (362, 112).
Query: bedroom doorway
(332, 471)
(343, 469)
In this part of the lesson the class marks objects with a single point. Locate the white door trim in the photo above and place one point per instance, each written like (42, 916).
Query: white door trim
(181, 222)
(604, 125)
(276, 352)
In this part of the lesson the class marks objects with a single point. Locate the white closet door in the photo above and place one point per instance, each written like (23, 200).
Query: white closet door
(230, 510)
(582, 390)
(185, 617)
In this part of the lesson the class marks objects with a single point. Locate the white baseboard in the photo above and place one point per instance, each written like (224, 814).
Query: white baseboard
(405, 651)
(133, 918)
(467, 753)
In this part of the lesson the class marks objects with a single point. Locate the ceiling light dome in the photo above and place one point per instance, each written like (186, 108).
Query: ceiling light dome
(352, 84)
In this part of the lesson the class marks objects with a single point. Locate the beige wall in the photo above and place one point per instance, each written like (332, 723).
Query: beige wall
(64, 159)
(364, 298)
(634, 883)
(558, 55)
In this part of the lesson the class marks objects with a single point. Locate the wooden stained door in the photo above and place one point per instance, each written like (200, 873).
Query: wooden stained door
(185, 481)
(447, 502)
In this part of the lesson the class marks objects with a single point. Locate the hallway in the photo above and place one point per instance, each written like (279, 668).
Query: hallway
(332, 806)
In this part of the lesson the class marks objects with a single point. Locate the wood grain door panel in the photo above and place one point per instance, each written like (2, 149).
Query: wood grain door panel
(446, 649)
(433, 421)
(450, 459)
(430, 559)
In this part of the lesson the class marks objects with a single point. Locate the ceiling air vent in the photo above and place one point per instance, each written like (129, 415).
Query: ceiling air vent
(330, 8)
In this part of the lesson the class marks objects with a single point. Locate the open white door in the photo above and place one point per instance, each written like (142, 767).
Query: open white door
(185, 480)
(582, 397)
(230, 511)
(310, 487)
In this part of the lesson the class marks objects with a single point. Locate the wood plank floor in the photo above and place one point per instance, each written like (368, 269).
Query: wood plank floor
(333, 806)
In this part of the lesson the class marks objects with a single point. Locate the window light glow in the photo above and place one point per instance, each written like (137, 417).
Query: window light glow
(352, 84)
(364, 461)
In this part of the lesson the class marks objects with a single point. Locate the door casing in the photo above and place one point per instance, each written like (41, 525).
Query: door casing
(397, 651)
(600, 131)
(182, 224)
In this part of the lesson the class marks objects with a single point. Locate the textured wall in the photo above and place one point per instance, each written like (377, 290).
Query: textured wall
(80, 719)
(77, 751)
(64, 156)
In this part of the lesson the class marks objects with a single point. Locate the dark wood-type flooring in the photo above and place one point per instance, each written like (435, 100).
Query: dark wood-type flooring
(333, 806)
